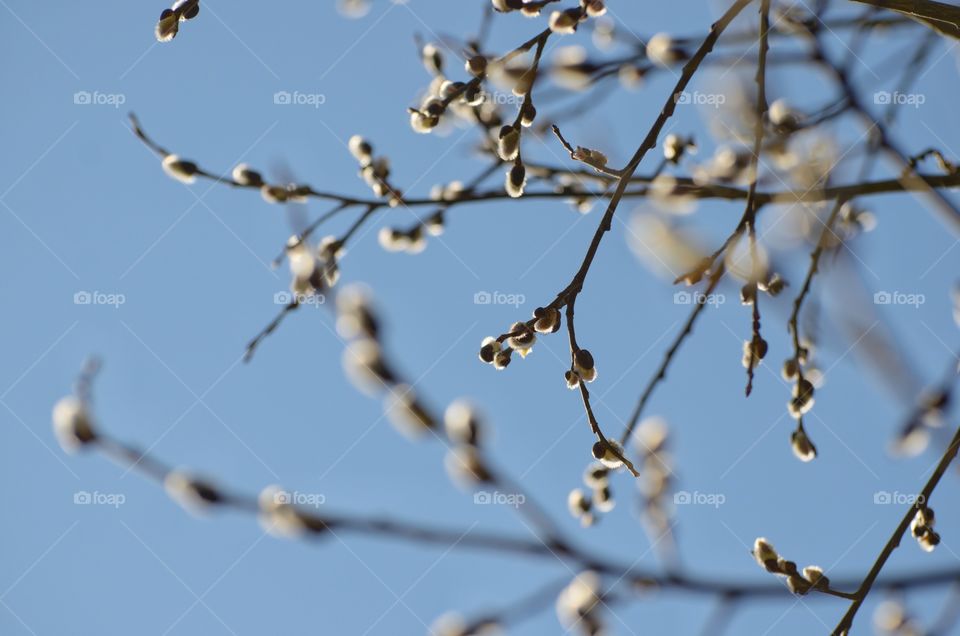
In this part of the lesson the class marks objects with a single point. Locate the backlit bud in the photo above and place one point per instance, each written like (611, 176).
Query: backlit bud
(564, 22)
(802, 447)
(191, 493)
(523, 338)
(516, 180)
(167, 26)
(462, 423)
(547, 319)
(72, 424)
(578, 503)
(476, 65)
(765, 554)
(274, 193)
(508, 145)
(466, 467)
(361, 149)
(246, 176)
(608, 454)
(405, 411)
(584, 366)
(179, 169)
(489, 348)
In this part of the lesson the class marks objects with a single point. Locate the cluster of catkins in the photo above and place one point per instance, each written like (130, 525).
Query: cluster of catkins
(584, 506)
(922, 529)
(521, 338)
(366, 367)
(755, 349)
(656, 475)
(801, 400)
(914, 437)
(244, 175)
(364, 364)
(313, 271)
(464, 461)
(579, 605)
(73, 426)
(276, 512)
(565, 21)
(413, 240)
(170, 19)
(811, 578)
(374, 170)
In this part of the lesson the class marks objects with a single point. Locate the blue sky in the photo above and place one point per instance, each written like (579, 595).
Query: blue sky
(86, 208)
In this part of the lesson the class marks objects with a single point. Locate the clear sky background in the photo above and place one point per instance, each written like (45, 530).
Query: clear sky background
(85, 207)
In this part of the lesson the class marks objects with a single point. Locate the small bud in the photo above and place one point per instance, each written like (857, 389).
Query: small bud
(191, 493)
(814, 574)
(765, 554)
(523, 338)
(477, 65)
(508, 146)
(573, 380)
(462, 423)
(584, 366)
(516, 180)
(246, 176)
(421, 122)
(595, 8)
(802, 447)
(361, 149)
(502, 359)
(596, 475)
(603, 498)
(790, 369)
(466, 467)
(167, 26)
(72, 424)
(489, 348)
(187, 9)
(564, 22)
(405, 411)
(528, 113)
(798, 585)
(578, 503)
(773, 286)
(505, 6)
(432, 59)
(607, 455)
(274, 193)
(547, 319)
(662, 51)
(179, 169)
